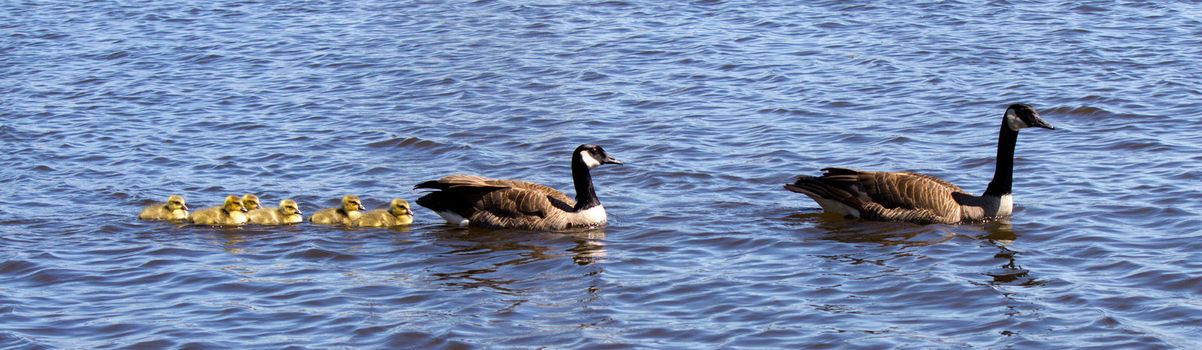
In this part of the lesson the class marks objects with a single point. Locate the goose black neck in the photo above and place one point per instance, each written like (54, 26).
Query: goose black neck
(586, 197)
(1003, 175)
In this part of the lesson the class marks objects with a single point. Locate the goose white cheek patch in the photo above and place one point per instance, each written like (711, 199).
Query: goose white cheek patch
(1013, 122)
(589, 160)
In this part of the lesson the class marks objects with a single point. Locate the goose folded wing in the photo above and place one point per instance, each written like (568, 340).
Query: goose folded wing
(459, 181)
(902, 195)
(515, 203)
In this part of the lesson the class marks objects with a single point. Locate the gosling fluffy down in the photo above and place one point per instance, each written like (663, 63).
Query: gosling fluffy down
(397, 214)
(250, 202)
(173, 210)
(231, 213)
(349, 211)
(287, 213)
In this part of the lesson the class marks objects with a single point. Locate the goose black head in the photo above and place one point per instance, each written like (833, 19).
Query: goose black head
(1019, 116)
(593, 156)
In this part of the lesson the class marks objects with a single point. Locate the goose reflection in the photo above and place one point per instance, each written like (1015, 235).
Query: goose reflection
(483, 258)
(1001, 235)
(839, 229)
(998, 233)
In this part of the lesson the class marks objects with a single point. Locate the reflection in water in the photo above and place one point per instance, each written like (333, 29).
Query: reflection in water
(1001, 234)
(231, 239)
(1000, 231)
(515, 248)
(845, 230)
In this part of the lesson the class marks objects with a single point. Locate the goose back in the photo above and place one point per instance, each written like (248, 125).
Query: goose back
(500, 203)
(892, 196)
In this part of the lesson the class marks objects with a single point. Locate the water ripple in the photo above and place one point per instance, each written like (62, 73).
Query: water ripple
(712, 106)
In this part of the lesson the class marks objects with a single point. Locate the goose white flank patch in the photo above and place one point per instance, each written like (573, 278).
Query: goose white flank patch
(912, 197)
(484, 202)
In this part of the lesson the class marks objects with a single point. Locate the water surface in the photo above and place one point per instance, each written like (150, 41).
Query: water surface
(712, 105)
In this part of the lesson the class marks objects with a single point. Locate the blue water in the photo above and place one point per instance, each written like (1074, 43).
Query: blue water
(713, 105)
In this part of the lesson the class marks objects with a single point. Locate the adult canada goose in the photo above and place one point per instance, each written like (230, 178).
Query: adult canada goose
(397, 214)
(173, 210)
(344, 215)
(230, 213)
(479, 201)
(905, 196)
(287, 213)
(250, 202)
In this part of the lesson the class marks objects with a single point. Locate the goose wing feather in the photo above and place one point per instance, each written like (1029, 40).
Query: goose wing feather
(900, 196)
(496, 202)
(520, 208)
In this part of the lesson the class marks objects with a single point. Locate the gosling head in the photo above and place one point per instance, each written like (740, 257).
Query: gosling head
(592, 156)
(1019, 116)
(175, 202)
(351, 203)
(232, 204)
(399, 207)
(250, 201)
(289, 207)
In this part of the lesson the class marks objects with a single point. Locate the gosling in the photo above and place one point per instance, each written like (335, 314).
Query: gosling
(287, 213)
(231, 213)
(173, 210)
(397, 214)
(250, 202)
(349, 211)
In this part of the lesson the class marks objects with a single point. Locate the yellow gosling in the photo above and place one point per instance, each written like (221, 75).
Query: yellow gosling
(173, 210)
(397, 214)
(231, 213)
(287, 213)
(349, 211)
(250, 202)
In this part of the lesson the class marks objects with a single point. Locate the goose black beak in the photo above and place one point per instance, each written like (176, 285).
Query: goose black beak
(1039, 122)
(611, 160)
(244, 210)
(185, 207)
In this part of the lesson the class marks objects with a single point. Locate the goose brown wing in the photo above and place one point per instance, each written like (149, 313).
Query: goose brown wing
(472, 183)
(891, 190)
(518, 207)
(461, 182)
(903, 196)
(533, 189)
(494, 202)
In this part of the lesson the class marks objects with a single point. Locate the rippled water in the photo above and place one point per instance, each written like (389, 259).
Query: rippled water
(713, 105)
